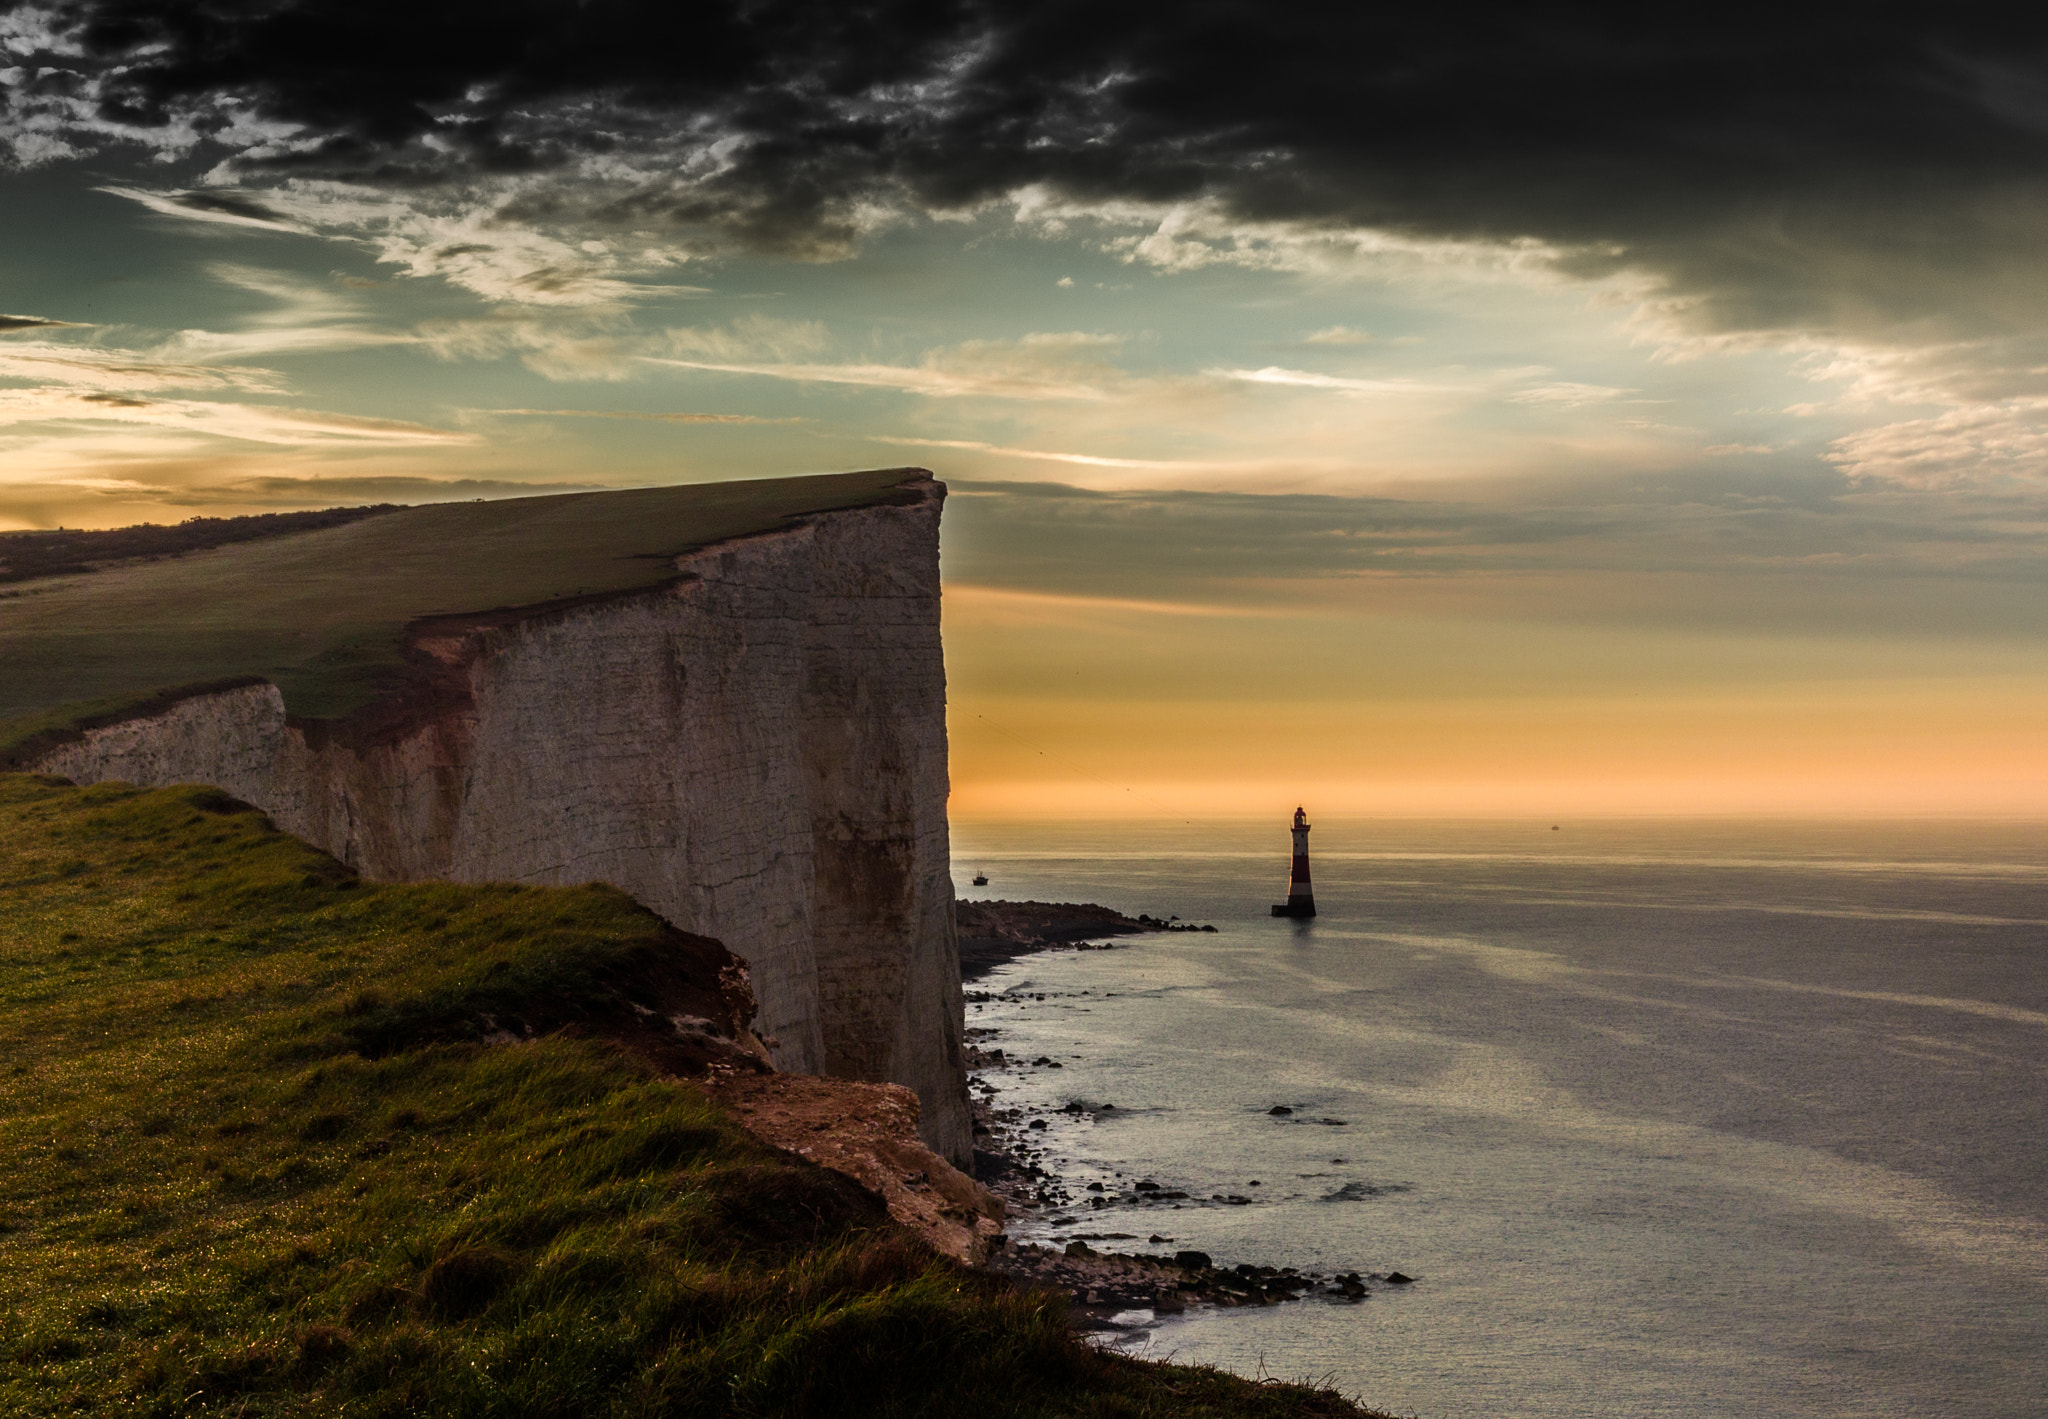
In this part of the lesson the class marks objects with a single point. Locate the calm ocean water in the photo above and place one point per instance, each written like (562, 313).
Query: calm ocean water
(1688, 1119)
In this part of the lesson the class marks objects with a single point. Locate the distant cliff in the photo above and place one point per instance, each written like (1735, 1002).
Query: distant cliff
(754, 746)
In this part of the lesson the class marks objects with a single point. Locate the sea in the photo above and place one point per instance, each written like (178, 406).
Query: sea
(1687, 1118)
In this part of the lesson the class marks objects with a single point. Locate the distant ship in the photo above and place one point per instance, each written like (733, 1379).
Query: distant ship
(981, 879)
(1300, 900)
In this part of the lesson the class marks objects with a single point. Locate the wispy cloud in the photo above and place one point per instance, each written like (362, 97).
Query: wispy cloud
(90, 367)
(150, 391)
(638, 414)
(750, 337)
(306, 317)
(222, 207)
(567, 347)
(258, 423)
(1203, 233)
(1088, 460)
(1340, 335)
(1309, 379)
(905, 379)
(1064, 365)
(1564, 394)
(460, 235)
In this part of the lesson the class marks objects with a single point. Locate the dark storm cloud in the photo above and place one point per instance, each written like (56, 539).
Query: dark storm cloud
(1836, 166)
(32, 322)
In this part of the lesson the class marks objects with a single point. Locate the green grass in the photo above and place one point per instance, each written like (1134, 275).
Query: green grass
(322, 614)
(258, 1157)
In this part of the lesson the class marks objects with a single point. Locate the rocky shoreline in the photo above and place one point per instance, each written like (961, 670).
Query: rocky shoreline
(993, 933)
(1117, 1279)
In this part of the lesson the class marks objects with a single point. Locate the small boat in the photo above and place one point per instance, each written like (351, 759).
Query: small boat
(981, 879)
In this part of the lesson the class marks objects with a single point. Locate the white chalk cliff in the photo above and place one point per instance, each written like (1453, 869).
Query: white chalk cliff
(756, 750)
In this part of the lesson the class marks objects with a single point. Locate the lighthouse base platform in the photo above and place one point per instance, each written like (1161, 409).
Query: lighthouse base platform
(1307, 908)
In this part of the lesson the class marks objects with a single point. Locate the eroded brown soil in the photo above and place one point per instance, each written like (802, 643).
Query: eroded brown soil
(869, 1133)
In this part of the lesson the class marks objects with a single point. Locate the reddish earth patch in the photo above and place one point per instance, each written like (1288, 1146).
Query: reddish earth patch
(869, 1133)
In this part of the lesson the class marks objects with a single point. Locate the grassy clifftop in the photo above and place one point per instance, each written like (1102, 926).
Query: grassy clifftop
(277, 1141)
(321, 614)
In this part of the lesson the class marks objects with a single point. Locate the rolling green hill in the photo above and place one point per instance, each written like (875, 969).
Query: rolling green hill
(276, 1141)
(321, 613)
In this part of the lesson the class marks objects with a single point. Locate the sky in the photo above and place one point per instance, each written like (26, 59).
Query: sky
(1487, 412)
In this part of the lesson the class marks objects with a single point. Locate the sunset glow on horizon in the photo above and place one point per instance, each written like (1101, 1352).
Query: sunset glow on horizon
(1622, 758)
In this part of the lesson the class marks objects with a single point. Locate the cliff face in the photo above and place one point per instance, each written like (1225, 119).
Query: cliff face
(757, 751)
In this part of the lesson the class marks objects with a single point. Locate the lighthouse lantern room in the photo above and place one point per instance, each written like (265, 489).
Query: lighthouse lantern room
(1301, 901)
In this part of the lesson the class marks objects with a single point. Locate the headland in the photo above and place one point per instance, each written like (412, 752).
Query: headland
(726, 700)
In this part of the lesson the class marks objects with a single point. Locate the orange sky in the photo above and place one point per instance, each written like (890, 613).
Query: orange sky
(1129, 709)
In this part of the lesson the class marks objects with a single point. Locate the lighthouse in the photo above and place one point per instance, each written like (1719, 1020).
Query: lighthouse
(1301, 901)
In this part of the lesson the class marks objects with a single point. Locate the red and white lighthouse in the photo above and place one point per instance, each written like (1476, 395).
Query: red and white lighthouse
(1301, 901)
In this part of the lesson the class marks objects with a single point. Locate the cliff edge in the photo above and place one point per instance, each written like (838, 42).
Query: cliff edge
(747, 735)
